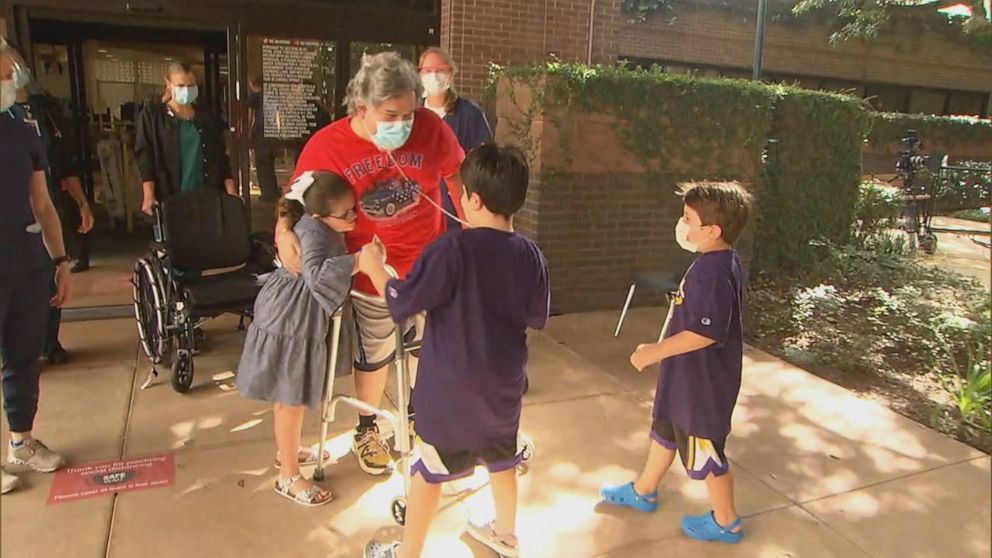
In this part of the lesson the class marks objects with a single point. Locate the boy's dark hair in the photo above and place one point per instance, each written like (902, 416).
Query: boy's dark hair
(726, 204)
(327, 188)
(499, 174)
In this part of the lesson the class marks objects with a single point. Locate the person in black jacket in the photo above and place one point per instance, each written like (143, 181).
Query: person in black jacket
(41, 111)
(180, 145)
(264, 151)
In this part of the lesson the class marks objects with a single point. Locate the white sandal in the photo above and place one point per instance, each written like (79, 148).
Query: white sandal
(310, 497)
(309, 457)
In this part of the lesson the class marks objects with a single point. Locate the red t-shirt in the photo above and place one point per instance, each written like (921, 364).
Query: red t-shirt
(388, 206)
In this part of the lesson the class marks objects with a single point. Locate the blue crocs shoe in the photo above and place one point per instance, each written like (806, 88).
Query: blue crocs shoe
(705, 528)
(626, 496)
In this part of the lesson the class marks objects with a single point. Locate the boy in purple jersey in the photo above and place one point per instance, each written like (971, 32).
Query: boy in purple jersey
(481, 288)
(700, 358)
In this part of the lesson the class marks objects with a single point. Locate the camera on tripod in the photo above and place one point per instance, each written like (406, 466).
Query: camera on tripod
(911, 161)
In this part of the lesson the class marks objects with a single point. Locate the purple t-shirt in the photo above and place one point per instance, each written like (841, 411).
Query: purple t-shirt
(697, 391)
(481, 288)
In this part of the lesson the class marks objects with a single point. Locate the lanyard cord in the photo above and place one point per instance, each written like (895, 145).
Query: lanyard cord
(407, 179)
(428, 198)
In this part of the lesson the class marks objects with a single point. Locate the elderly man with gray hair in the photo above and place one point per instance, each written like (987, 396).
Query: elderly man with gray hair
(394, 154)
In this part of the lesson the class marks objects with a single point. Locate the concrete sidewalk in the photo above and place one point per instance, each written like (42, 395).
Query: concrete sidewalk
(819, 472)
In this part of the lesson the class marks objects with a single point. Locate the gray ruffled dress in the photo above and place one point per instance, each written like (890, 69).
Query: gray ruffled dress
(287, 347)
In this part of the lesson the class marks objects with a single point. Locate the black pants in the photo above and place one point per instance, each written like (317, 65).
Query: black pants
(265, 167)
(23, 319)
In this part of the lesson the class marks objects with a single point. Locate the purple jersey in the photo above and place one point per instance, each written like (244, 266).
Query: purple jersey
(697, 391)
(481, 288)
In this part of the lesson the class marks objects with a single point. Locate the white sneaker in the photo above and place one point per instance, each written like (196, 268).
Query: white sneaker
(35, 455)
(10, 481)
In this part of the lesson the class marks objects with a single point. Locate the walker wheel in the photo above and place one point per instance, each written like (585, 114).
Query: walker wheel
(398, 508)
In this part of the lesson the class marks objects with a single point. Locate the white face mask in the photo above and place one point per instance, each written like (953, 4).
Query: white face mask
(436, 82)
(8, 94)
(682, 230)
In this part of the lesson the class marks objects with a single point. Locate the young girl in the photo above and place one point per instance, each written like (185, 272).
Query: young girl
(286, 353)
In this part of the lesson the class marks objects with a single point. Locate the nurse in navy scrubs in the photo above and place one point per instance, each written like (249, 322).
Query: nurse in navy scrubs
(30, 234)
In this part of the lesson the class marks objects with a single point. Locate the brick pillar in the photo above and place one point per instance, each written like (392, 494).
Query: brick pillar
(519, 32)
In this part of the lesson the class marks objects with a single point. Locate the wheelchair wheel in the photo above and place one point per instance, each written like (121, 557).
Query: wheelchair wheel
(151, 308)
(182, 371)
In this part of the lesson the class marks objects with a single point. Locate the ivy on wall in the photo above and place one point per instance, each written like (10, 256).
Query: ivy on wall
(811, 177)
(701, 128)
(890, 127)
(665, 120)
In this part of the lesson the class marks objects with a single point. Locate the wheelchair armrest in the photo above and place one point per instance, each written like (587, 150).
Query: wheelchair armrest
(263, 253)
(660, 281)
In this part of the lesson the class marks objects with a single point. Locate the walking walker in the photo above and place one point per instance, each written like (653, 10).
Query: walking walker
(400, 422)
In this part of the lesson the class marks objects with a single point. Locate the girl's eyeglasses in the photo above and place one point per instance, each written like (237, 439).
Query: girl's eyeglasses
(349, 215)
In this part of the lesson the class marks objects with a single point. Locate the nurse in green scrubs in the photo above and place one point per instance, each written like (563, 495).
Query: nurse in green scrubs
(180, 144)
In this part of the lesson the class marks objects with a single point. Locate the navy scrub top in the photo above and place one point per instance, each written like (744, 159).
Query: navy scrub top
(21, 155)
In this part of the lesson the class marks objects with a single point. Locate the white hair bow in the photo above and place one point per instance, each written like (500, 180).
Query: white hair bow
(300, 187)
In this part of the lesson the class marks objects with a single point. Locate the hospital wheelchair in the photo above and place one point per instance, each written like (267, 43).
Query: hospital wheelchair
(204, 262)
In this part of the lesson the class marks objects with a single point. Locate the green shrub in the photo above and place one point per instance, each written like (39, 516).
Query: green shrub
(890, 127)
(715, 128)
(981, 215)
(966, 189)
(877, 209)
(811, 177)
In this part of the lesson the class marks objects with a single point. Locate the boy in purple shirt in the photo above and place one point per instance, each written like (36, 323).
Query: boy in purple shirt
(701, 358)
(481, 288)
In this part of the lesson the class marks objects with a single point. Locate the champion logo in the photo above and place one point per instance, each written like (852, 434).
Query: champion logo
(392, 292)
(705, 321)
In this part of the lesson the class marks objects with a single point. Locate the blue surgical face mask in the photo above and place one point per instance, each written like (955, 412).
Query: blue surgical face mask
(8, 94)
(184, 94)
(392, 135)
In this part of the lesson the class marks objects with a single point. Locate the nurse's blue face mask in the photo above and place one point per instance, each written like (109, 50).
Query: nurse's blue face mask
(185, 94)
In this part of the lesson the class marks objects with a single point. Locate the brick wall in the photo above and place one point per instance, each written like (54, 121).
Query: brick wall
(598, 213)
(909, 56)
(604, 217)
(478, 32)
(518, 32)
